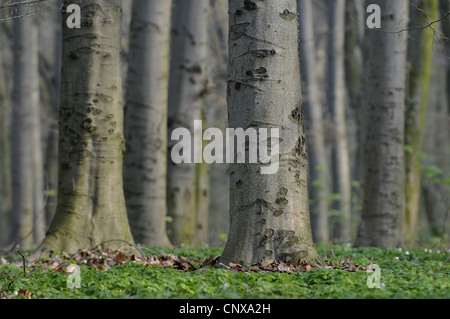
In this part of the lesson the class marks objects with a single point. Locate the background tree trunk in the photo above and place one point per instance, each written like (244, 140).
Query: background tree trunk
(91, 206)
(37, 177)
(420, 56)
(269, 214)
(22, 213)
(146, 121)
(318, 165)
(186, 89)
(5, 173)
(445, 7)
(340, 222)
(384, 170)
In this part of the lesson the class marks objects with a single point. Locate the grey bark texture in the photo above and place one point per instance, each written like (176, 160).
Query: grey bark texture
(146, 121)
(186, 89)
(318, 164)
(91, 205)
(384, 167)
(5, 169)
(269, 214)
(22, 213)
(341, 185)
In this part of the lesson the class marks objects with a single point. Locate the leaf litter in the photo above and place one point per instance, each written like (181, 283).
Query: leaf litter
(104, 259)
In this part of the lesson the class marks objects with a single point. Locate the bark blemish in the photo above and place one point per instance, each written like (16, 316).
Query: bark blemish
(278, 213)
(250, 5)
(282, 201)
(239, 184)
(287, 15)
(237, 31)
(283, 192)
(263, 53)
(259, 74)
(297, 115)
(300, 148)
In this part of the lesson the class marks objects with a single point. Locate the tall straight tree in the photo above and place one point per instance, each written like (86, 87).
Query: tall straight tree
(91, 205)
(445, 8)
(5, 171)
(384, 168)
(420, 56)
(341, 226)
(318, 164)
(146, 121)
(269, 214)
(186, 87)
(27, 220)
(354, 70)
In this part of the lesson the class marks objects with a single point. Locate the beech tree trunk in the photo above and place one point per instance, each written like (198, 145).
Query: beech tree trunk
(384, 168)
(91, 205)
(269, 214)
(445, 7)
(146, 121)
(318, 165)
(22, 163)
(420, 56)
(5, 173)
(37, 177)
(340, 222)
(186, 89)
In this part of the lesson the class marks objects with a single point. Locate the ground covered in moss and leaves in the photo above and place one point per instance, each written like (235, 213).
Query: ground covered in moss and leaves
(194, 273)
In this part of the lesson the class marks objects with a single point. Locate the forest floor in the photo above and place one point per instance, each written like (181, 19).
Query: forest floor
(187, 273)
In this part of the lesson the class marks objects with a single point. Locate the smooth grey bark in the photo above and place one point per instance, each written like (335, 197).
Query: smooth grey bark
(5, 173)
(216, 115)
(186, 90)
(145, 158)
(202, 187)
(445, 7)
(22, 211)
(91, 205)
(341, 185)
(318, 164)
(34, 108)
(269, 214)
(51, 32)
(384, 167)
(354, 70)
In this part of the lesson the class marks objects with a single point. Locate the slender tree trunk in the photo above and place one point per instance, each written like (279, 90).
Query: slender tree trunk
(91, 205)
(5, 174)
(269, 214)
(22, 217)
(420, 55)
(318, 165)
(384, 170)
(37, 177)
(341, 226)
(354, 75)
(202, 187)
(51, 154)
(187, 83)
(146, 121)
(445, 8)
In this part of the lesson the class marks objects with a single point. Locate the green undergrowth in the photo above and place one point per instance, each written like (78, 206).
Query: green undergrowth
(404, 274)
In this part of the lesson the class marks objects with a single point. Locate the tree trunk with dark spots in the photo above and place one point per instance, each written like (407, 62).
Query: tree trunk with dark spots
(91, 205)
(269, 213)
(384, 160)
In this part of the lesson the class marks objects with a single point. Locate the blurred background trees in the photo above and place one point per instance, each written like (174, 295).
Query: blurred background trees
(336, 50)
